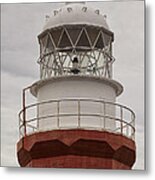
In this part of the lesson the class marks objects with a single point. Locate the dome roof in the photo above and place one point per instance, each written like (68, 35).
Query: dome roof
(76, 14)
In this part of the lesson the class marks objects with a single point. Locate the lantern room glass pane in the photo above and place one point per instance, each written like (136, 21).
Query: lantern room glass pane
(93, 33)
(99, 44)
(107, 39)
(56, 35)
(74, 33)
(49, 46)
(64, 42)
(83, 41)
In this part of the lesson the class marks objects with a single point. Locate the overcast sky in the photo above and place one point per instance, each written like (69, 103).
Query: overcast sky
(20, 25)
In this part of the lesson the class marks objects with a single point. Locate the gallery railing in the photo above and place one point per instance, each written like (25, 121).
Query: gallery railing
(122, 117)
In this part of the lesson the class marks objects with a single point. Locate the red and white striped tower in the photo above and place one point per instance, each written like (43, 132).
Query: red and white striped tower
(76, 122)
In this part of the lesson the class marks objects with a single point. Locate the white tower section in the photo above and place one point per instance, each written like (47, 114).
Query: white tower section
(76, 71)
(76, 94)
(76, 90)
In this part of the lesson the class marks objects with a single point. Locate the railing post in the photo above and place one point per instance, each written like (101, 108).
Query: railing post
(24, 109)
(24, 112)
(37, 117)
(20, 133)
(58, 111)
(121, 114)
(132, 126)
(79, 113)
(104, 113)
(127, 130)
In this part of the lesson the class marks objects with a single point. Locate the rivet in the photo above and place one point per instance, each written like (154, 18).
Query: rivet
(55, 12)
(47, 17)
(69, 9)
(105, 16)
(97, 11)
(84, 9)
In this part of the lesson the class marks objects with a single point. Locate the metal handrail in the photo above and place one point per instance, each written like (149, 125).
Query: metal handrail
(92, 115)
(123, 123)
(80, 99)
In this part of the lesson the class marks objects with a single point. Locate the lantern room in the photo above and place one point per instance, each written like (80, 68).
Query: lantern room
(88, 39)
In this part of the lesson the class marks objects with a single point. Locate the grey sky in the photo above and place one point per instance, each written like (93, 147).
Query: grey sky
(20, 25)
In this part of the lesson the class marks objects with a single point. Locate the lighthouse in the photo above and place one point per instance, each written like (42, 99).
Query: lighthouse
(76, 121)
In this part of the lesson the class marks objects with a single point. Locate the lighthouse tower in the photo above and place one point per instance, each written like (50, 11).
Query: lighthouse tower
(75, 121)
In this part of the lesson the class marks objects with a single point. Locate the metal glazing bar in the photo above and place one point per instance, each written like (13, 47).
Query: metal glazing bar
(90, 43)
(51, 38)
(68, 35)
(60, 37)
(79, 36)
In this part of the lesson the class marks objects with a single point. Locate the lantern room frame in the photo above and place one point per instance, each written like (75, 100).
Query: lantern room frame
(92, 46)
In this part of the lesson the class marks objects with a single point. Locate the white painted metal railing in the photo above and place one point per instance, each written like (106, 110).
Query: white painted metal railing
(124, 124)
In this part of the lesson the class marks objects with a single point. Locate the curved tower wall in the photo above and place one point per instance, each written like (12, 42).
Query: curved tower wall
(75, 89)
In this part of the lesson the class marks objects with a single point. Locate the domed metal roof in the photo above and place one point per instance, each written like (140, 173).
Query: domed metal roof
(73, 14)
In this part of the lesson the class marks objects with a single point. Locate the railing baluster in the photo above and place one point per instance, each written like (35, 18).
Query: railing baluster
(127, 130)
(37, 117)
(121, 117)
(24, 121)
(19, 126)
(104, 114)
(24, 113)
(79, 111)
(133, 125)
(58, 111)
